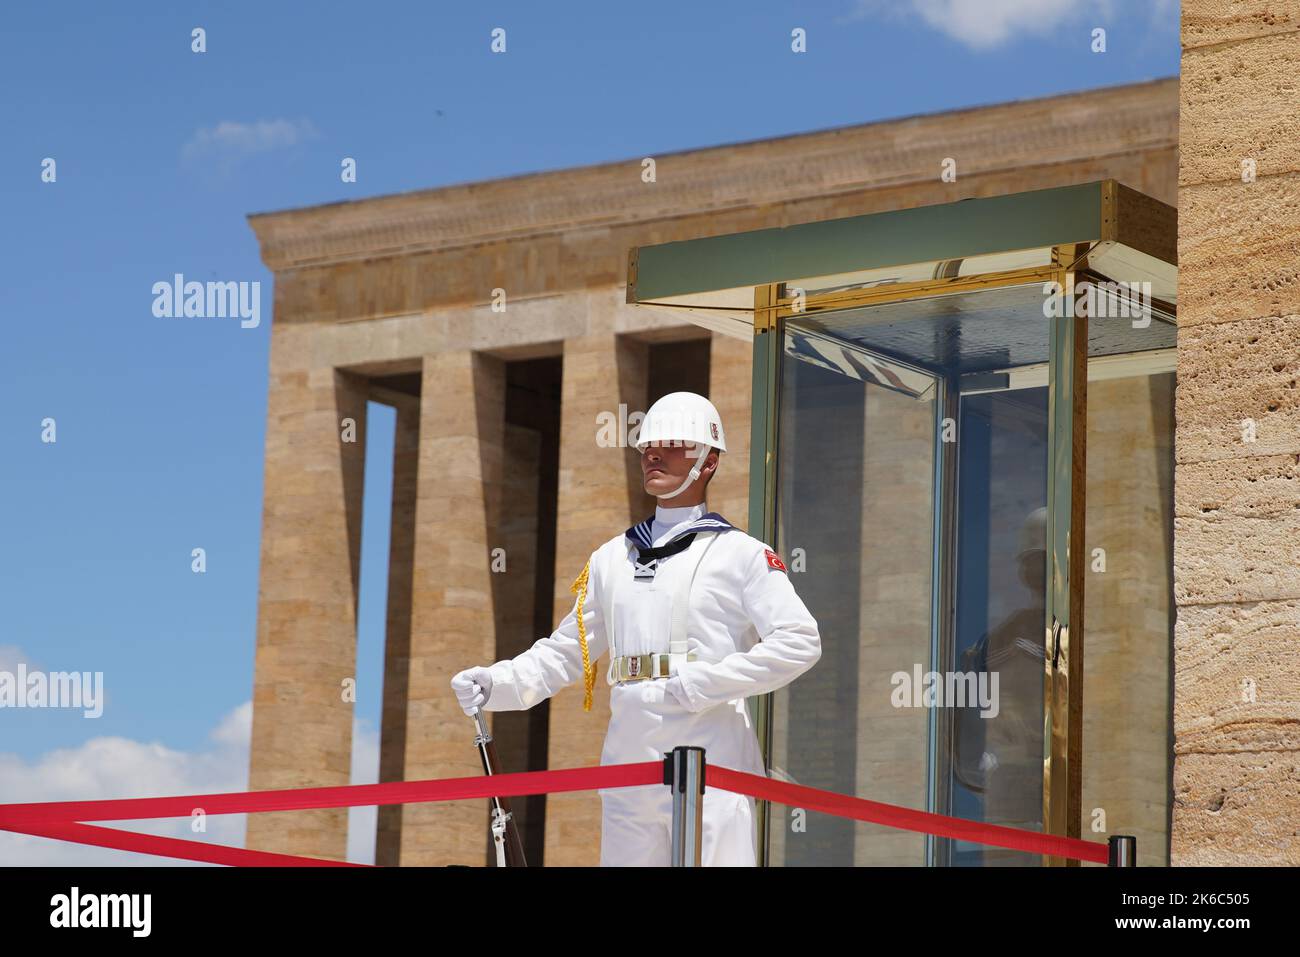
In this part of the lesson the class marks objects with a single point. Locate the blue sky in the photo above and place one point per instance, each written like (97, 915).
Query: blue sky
(161, 152)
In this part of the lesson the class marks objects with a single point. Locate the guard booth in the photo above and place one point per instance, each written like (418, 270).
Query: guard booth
(963, 447)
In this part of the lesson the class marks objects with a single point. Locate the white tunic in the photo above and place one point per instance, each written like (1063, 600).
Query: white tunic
(748, 629)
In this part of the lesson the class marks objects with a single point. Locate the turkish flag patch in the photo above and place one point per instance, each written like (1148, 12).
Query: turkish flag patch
(774, 560)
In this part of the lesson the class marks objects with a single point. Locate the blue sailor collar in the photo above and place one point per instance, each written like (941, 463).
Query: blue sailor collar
(639, 535)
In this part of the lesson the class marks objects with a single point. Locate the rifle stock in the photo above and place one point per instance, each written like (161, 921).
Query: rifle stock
(499, 806)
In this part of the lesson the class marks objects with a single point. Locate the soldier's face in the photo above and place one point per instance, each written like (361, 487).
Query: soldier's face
(1033, 570)
(665, 468)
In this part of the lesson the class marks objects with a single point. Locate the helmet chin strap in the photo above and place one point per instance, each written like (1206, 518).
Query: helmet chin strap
(694, 474)
(691, 477)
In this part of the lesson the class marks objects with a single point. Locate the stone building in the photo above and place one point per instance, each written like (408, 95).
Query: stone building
(397, 300)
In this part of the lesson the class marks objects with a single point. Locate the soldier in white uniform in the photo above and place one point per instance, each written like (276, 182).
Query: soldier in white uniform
(696, 617)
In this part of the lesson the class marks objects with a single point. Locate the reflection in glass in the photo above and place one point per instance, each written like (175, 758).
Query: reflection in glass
(1001, 578)
(855, 518)
(1129, 611)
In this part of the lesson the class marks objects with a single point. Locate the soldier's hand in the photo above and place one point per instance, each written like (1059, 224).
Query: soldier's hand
(673, 689)
(473, 687)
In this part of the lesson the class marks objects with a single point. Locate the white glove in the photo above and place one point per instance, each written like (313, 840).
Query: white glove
(473, 687)
(673, 689)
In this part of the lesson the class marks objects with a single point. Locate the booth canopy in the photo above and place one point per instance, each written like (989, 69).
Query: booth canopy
(1125, 236)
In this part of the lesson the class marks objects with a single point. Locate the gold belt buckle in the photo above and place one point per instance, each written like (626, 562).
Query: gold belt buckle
(638, 667)
(645, 667)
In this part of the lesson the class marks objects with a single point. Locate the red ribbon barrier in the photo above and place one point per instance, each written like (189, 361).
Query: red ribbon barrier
(61, 819)
(172, 846)
(345, 795)
(860, 809)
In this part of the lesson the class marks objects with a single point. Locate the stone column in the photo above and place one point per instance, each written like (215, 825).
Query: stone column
(600, 495)
(462, 432)
(731, 364)
(516, 590)
(306, 629)
(1237, 477)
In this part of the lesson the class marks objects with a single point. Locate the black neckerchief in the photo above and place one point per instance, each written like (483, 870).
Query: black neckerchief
(672, 548)
(647, 556)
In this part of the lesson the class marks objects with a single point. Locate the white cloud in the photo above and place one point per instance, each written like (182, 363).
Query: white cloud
(229, 141)
(115, 767)
(985, 24)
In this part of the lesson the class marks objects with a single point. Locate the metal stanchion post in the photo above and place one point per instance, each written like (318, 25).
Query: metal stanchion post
(1123, 850)
(684, 773)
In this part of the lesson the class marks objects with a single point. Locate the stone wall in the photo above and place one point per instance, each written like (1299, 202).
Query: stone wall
(1237, 481)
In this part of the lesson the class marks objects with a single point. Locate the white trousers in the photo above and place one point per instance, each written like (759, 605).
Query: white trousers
(636, 822)
(636, 828)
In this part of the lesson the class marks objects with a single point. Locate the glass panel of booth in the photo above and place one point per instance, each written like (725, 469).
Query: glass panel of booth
(1128, 596)
(855, 512)
(911, 485)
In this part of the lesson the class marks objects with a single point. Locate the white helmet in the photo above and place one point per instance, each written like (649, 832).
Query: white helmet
(679, 418)
(1033, 532)
(682, 417)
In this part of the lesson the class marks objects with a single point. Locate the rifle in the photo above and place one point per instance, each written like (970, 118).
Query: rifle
(505, 835)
